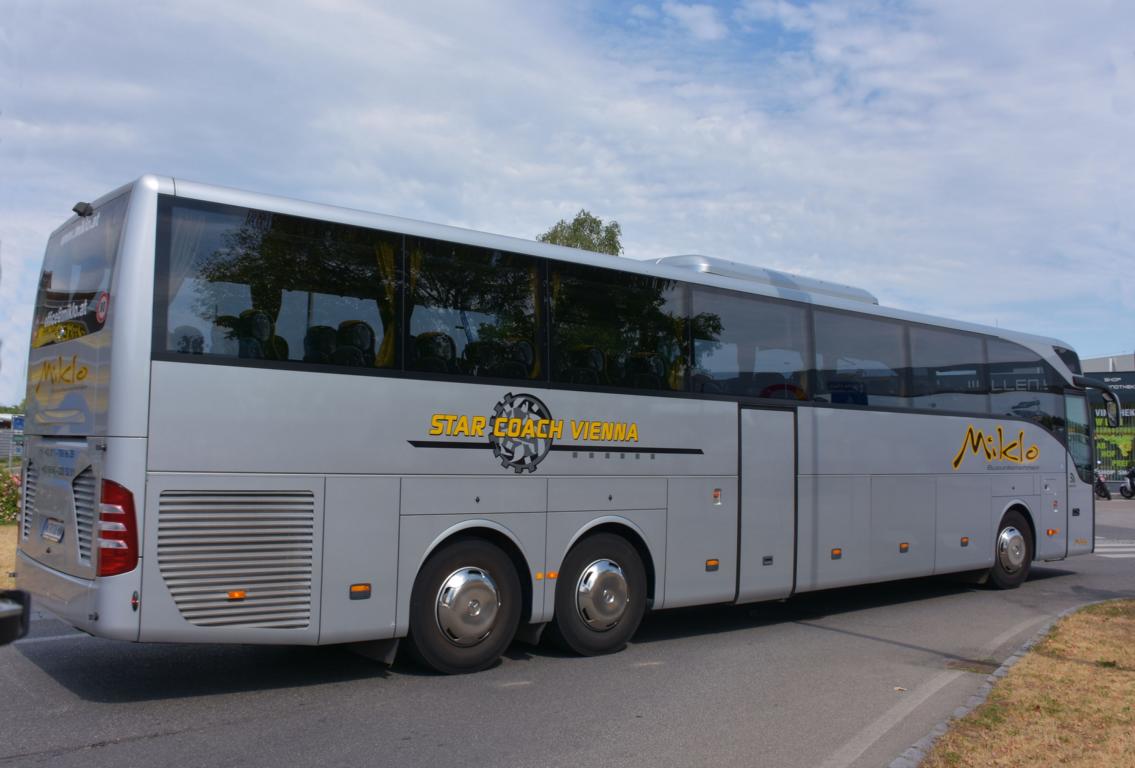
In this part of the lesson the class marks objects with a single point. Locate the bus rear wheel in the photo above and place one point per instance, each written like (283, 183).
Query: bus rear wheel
(600, 595)
(465, 607)
(1013, 552)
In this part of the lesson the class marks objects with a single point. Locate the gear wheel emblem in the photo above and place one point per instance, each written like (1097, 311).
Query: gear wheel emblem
(520, 454)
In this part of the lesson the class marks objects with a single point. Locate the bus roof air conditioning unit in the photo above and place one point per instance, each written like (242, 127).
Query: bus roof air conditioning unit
(769, 277)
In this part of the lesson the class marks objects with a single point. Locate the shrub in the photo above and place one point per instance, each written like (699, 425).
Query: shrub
(9, 497)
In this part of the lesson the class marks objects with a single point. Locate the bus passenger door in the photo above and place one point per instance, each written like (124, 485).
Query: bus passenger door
(768, 504)
(1080, 472)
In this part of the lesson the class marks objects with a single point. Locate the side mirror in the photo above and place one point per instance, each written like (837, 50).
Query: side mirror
(1111, 407)
(1110, 399)
(15, 612)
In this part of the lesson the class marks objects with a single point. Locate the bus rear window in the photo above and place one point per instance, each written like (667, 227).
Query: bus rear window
(74, 287)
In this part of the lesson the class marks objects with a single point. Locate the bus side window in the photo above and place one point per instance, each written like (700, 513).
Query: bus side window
(261, 282)
(747, 345)
(860, 360)
(948, 370)
(1023, 385)
(616, 329)
(472, 311)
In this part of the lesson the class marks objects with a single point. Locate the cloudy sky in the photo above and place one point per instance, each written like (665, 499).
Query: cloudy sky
(963, 158)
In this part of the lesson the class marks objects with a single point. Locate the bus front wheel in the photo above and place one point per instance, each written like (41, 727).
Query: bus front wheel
(600, 595)
(1013, 551)
(465, 607)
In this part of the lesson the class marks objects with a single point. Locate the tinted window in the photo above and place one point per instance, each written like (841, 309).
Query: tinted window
(745, 345)
(75, 283)
(1079, 436)
(262, 286)
(947, 370)
(1023, 385)
(1070, 358)
(859, 360)
(616, 329)
(472, 311)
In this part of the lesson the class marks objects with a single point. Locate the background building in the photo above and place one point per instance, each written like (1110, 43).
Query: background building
(1115, 448)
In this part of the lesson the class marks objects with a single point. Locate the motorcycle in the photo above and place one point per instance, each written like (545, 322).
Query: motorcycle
(1127, 488)
(1102, 491)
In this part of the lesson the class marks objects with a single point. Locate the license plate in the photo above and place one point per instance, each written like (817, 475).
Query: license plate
(52, 530)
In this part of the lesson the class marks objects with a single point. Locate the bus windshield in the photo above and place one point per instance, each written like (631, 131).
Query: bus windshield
(75, 283)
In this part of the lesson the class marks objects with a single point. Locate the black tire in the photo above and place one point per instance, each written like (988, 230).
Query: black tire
(1125, 492)
(1003, 575)
(431, 644)
(589, 635)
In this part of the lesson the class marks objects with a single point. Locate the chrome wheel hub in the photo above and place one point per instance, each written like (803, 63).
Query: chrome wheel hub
(1011, 549)
(467, 606)
(601, 595)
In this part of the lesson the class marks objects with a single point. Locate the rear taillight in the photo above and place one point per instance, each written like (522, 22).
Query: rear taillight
(117, 531)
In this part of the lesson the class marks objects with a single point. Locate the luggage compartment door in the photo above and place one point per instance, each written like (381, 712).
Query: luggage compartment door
(768, 504)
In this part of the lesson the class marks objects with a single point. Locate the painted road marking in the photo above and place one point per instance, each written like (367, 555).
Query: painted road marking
(865, 739)
(1115, 548)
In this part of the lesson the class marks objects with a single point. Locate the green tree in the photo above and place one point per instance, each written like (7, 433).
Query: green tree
(587, 232)
(21, 408)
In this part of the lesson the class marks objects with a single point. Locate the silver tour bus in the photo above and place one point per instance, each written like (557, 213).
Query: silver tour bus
(257, 420)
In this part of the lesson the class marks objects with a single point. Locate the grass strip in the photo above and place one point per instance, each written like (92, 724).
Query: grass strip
(1070, 701)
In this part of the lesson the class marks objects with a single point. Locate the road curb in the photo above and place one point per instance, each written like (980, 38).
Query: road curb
(917, 752)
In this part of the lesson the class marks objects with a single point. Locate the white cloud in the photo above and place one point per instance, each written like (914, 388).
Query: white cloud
(701, 20)
(645, 12)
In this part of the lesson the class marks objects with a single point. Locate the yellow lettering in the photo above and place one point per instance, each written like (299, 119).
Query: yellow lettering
(478, 426)
(593, 431)
(462, 427)
(621, 432)
(437, 424)
(528, 429)
(632, 432)
(995, 448)
(974, 441)
(578, 429)
(557, 430)
(498, 425)
(514, 427)
(608, 431)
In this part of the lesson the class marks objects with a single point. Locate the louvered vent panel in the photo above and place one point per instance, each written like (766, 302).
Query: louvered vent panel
(83, 489)
(259, 543)
(31, 482)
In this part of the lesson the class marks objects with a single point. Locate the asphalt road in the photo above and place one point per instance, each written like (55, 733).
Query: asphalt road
(849, 677)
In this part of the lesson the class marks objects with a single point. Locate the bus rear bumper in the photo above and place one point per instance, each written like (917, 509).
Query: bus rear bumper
(104, 611)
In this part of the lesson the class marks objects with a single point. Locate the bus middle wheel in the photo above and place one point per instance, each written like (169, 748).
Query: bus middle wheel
(465, 607)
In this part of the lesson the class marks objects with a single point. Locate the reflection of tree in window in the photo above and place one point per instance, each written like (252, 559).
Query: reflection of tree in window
(617, 329)
(318, 272)
(472, 311)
